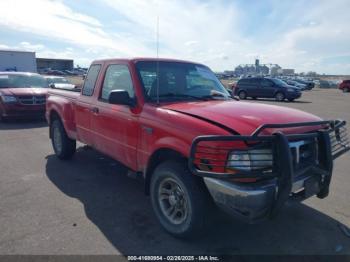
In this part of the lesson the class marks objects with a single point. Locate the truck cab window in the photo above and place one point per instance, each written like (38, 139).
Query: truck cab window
(117, 78)
(90, 81)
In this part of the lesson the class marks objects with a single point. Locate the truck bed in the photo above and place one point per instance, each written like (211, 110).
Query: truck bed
(65, 92)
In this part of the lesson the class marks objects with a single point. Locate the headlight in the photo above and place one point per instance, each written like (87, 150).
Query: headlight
(9, 99)
(291, 90)
(248, 160)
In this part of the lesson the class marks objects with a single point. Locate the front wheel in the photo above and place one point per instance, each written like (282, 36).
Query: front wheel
(63, 146)
(179, 199)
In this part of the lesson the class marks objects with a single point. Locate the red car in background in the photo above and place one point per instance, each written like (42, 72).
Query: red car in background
(345, 86)
(22, 95)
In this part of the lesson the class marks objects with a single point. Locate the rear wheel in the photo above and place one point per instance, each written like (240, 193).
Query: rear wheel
(279, 97)
(63, 146)
(179, 199)
(346, 89)
(242, 95)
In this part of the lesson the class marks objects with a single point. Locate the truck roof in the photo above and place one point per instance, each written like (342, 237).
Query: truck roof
(138, 59)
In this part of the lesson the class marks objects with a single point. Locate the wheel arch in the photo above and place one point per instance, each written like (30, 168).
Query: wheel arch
(53, 116)
(159, 156)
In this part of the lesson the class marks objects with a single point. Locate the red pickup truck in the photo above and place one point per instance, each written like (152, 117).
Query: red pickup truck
(22, 95)
(174, 124)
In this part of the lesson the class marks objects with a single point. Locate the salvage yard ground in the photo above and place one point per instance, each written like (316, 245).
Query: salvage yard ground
(89, 205)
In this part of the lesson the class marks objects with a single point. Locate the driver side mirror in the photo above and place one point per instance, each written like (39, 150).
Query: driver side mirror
(120, 97)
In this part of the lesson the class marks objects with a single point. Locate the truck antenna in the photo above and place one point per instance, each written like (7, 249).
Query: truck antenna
(157, 60)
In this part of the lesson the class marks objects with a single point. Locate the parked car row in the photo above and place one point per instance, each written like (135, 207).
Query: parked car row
(302, 83)
(74, 72)
(58, 82)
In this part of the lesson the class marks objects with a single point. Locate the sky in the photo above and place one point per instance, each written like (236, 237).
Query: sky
(307, 35)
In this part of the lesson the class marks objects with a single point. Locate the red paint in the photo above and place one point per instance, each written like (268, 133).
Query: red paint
(18, 109)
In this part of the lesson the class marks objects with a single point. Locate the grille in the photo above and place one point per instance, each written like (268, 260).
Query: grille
(32, 100)
(304, 153)
(339, 140)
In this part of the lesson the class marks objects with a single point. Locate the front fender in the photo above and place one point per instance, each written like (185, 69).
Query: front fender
(174, 144)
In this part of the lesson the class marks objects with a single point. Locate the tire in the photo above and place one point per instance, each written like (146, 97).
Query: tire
(254, 98)
(279, 96)
(63, 146)
(175, 189)
(242, 95)
(291, 99)
(346, 90)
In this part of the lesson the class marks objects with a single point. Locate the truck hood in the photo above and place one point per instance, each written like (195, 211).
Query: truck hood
(245, 117)
(23, 91)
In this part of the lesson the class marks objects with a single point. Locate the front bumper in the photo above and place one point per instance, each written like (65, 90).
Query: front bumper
(264, 198)
(252, 203)
(17, 110)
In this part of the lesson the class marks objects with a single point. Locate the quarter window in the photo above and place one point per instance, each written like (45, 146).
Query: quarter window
(117, 78)
(90, 81)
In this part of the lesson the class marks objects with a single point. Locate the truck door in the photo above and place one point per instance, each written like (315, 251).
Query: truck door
(84, 108)
(116, 126)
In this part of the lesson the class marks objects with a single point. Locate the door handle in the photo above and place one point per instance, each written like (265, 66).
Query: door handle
(94, 110)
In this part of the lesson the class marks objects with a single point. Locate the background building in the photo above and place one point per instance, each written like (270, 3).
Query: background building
(287, 72)
(253, 69)
(54, 64)
(258, 69)
(275, 70)
(13, 60)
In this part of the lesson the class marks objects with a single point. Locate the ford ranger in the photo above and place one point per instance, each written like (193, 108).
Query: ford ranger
(173, 123)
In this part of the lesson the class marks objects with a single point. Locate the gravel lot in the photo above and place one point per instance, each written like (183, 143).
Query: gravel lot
(89, 206)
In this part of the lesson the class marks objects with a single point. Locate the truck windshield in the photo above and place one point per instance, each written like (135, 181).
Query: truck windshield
(179, 81)
(18, 81)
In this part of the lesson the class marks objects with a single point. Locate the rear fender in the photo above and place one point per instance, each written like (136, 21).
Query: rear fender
(65, 111)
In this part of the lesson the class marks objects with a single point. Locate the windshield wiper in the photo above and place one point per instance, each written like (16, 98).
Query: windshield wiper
(172, 95)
